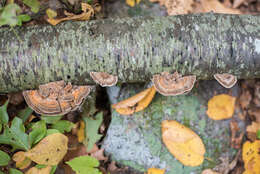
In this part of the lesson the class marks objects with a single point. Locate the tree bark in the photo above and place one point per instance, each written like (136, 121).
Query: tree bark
(132, 48)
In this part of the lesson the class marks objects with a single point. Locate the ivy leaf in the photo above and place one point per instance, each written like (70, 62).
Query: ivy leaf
(15, 136)
(4, 158)
(91, 130)
(63, 126)
(14, 171)
(4, 118)
(33, 4)
(84, 165)
(8, 15)
(38, 132)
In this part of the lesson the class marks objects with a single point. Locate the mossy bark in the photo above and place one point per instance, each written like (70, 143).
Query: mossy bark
(132, 48)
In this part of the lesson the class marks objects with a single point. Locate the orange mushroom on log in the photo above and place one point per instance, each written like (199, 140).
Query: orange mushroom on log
(103, 78)
(173, 84)
(226, 80)
(56, 98)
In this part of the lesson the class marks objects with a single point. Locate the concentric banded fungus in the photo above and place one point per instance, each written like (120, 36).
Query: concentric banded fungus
(56, 98)
(226, 80)
(173, 84)
(103, 79)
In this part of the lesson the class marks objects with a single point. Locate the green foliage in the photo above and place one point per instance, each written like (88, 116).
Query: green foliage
(15, 136)
(4, 158)
(52, 131)
(258, 133)
(63, 126)
(33, 4)
(4, 118)
(25, 114)
(1, 172)
(91, 130)
(84, 165)
(38, 132)
(51, 119)
(8, 15)
(14, 171)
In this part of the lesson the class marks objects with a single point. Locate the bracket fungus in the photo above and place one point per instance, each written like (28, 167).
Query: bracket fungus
(226, 80)
(103, 78)
(173, 84)
(56, 98)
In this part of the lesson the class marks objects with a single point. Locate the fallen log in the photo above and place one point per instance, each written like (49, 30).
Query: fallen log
(132, 48)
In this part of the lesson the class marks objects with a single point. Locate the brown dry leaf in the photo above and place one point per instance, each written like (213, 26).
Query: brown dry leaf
(251, 157)
(135, 103)
(217, 7)
(175, 7)
(50, 150)
(237, 3)
(255, 113)
(87, 13)
(34, 170)
(209, 171)
(22, 162)
(81, 132)
(252, 130)
(221, 107)
(245, 99)
(155, 171)
(235, 140)
(99, 155)
(189, 150)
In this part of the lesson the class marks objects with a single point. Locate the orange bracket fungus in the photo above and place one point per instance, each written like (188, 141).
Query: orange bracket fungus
(183, 143)
(135, 103)
(221, 107)
(104, 79)
(226, 80)
(173, 84)
(56, 98)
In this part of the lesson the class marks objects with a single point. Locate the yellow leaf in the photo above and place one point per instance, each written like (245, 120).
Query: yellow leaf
(51, 13)
(251, 157)
(80, 133)
(183, 143)
(34, 170)
(155, 171)
(132, 3)
(50, 150)
(22, 162)
(85, 15)
(135, 103)
(221, 107)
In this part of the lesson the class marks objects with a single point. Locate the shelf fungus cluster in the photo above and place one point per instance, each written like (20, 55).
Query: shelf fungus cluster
(56, 98)
(173, 84)
(103, 79)
(226, 80)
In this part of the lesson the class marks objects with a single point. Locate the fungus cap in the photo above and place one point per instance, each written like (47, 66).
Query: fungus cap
(226, 80)
(173, 84)
(103, 78)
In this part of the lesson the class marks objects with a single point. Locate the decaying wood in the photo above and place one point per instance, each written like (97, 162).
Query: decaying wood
(134, 49)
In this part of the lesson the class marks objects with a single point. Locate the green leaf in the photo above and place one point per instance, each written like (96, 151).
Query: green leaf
(8, 15)
(63, 126)
(15, 136)
(258, 133)
(4, 158)
(40, 166)
(4, 118)
(53, 169)
(52, 131)
(25, 114)
(14, 171)
(23, 18)
(51, 119)
(38, 132)
(33, 4)
(1, 127)
(84, 165)
(91, 130)
(1, 172)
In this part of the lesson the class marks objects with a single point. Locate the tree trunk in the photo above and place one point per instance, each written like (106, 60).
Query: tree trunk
(132, 48)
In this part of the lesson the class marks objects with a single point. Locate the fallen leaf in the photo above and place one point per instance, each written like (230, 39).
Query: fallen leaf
(221, 107)
(50, 150)
(209, 171)
(175, 7)
(251, 157)
(155, 171)
(135, 103)
(87, 13)
(51, 13)
(81, 132)
(132, 3)
(189, 150)
(217, 7)
(21, 160)
(245, 99)
(34, 170)
(252, 130)
(99, 155)
(237, 3)
(235, 140)
(255, 114)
